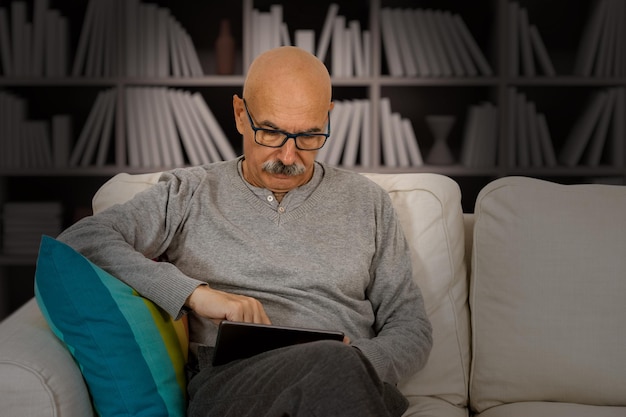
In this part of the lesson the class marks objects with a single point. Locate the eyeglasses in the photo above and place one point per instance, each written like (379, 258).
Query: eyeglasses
(274, 138)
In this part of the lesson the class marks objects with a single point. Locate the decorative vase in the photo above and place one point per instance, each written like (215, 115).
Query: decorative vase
(440, 126)
(225, 49)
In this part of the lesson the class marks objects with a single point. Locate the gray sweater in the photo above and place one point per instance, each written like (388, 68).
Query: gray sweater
(338, 260)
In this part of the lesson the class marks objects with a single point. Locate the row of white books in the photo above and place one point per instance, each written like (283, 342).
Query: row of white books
(35, 44)
(349, 45)
(601, 49)
(154, 42)
(350, 142)
(30, 143)
(430, 43)
(165, 127)
(479, 147)
(597, 136)
(532, 141)
(23, 224)
(527, 51)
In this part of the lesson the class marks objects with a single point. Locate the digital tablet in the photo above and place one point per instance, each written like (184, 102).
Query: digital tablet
(237, 340)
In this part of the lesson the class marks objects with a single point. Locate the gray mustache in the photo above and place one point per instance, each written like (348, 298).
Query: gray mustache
(277, 167)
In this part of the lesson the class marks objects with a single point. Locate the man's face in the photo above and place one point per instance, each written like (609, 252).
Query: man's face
(287, 167)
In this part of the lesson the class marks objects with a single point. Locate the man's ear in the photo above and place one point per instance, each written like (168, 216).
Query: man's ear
(239, 113)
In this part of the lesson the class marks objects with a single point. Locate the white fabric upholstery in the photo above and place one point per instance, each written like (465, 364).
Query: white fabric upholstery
(429, 209)
(38, 376)
(547, 294)
(121, 188)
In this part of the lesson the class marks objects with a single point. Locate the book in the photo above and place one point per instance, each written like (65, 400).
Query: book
(598, 140)
(435, 37)
(354, 132)
(338, 48)
(424, 33)
(335, 119)
(285, 38)
(522, 143)
(340, 133)
(358, 56)
(618, 130)
(5, 44)
(541, 52)
(305, 39)
(448, 44)
(511, 119)
(389, 149)
(580, 133)
(415, 154)
(469, 41)
(528, 63)
(327, 29)
(450, 27)
(366, 134)
(590, 39)
(18, 30)
(202, 134)
(513, 40)
(101, 132)
(534, 144)
(174, 153)
(132, 128)
(417, 43)
(39, 20)
(390, 44)
(91, 124)
(401, 149)
(470, 136)
(545, 139)
(603, 62)
(223, 145)
(404, 47)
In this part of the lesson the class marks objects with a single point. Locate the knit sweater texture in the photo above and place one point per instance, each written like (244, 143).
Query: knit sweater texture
(339, 260)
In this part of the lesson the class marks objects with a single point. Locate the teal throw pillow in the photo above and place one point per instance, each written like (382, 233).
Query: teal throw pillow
(130, 352)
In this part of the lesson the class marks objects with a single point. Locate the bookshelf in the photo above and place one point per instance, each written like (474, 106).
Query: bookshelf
(562, 97)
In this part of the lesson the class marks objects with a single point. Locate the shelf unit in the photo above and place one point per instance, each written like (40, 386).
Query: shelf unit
(561, 98)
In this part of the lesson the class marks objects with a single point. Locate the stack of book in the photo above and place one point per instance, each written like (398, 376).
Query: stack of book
(25, 222)
(154, 42)
(28, 143)
(33, 46)
(350, 142)
(430, 43)
(349, 45)
(526, 45)
(597, 136)
(601, 49)
(165, 128)
(480, 136)
(529, 134)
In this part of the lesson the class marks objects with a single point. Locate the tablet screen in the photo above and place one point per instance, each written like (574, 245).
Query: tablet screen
(237, 340)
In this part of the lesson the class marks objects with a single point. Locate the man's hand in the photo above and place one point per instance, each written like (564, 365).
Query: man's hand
(218, 305)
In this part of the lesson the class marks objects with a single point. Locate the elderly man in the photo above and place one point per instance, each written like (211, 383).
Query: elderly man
(275, 237)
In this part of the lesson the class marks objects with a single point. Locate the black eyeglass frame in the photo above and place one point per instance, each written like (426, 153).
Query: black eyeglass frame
(288, 135)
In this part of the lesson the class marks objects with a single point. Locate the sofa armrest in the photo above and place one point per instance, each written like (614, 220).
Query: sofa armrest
(39, 376)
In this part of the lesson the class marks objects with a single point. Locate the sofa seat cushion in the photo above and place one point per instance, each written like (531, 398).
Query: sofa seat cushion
(429, 209)
(549, 409)
(130, 352)
(547, 294)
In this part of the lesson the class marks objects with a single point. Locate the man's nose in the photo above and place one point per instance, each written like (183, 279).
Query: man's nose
(288, 152)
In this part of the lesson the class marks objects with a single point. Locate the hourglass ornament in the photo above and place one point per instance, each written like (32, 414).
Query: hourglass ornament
(440, 125)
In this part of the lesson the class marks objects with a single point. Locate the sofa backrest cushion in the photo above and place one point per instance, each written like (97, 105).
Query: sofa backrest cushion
(429, 209)
(547, 294)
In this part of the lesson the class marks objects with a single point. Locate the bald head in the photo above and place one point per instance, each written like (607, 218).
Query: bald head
(288, 74)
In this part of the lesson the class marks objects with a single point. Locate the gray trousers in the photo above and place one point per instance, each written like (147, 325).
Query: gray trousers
(321, 379)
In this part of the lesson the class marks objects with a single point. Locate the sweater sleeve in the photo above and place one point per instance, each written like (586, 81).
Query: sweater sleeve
(403, 331)
(125, 239)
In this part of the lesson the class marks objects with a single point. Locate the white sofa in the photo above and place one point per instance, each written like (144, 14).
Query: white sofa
(526, 296)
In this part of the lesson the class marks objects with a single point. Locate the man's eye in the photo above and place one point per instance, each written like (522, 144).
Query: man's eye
(272, 133)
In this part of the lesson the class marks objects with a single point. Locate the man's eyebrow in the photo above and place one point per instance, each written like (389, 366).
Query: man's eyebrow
(268, 124)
